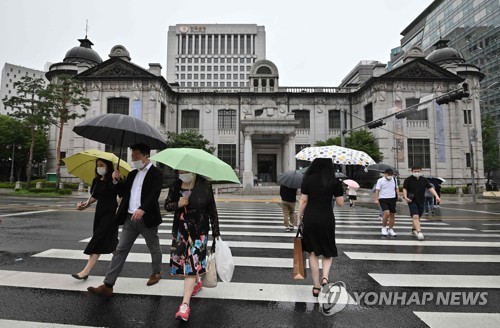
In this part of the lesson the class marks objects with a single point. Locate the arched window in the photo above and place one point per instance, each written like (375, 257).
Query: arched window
(271, 83)
(263, 82)
(303, 117)
(190, 119)
(255, 82)
(264, 70)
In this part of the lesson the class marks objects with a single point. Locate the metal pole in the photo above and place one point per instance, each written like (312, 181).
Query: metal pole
(11, 179)
(342, 136)
(471, 151)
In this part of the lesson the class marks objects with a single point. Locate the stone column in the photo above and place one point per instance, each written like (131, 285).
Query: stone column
(285, 154)
(247, 153)
(291, 152)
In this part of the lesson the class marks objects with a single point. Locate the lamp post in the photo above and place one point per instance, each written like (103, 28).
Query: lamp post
(11, 179)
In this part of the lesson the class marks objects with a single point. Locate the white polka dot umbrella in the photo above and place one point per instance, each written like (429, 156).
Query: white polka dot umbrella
(339, 155)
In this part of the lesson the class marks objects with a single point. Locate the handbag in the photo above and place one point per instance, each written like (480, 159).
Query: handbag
(299, 260)
(210, 279)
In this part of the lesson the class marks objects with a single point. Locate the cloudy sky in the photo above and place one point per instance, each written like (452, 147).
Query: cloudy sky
(313, 43)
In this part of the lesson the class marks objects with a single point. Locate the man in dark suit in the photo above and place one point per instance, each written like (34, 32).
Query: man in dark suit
(139, 212)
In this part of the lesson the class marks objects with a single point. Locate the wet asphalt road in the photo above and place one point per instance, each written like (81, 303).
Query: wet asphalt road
(55, 225)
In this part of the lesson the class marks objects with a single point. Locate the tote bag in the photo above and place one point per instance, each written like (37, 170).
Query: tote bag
(299, 261)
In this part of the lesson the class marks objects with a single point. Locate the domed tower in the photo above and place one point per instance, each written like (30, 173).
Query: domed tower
(76, 60)
(263, 76)
(443, 54)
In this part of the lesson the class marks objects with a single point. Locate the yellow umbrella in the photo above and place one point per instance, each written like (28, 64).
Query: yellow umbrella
(82, 164)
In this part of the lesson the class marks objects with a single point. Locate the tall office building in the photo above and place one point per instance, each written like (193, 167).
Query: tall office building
(472, 28)
(213, 55)
(12, 74)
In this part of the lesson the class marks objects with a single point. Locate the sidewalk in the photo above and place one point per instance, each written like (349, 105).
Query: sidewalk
(271, 194)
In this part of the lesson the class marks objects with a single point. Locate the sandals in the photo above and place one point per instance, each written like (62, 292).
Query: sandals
(316, 291)
(323, 283)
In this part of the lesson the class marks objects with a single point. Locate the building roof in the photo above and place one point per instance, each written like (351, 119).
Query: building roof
(83, 53)
(444, 54)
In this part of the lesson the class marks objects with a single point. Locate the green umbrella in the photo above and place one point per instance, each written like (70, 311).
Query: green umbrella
(197, 161)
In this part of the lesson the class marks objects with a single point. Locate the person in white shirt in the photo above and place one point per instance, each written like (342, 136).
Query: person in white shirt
(386, 196)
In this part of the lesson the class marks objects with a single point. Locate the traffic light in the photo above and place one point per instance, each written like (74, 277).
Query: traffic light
(458, 94)
(375, 124)
(405, 113)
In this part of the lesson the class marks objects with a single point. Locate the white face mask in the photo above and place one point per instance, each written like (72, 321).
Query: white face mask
(186, 177)
(388, 177)
(137, 164)
(417, 174)
(101, 171)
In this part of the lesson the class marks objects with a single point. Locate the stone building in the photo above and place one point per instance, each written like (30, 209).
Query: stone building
(259, 128)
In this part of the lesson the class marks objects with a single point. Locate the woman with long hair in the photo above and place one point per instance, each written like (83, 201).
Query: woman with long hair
(105, 232)
(315, 212)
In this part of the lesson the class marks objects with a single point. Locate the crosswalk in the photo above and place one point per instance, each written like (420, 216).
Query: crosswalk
(450, 258)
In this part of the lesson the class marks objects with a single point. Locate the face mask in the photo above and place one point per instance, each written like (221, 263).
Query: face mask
(186, 177)
(417, 174)
(137, 164)
(101, 170)
(389, 177)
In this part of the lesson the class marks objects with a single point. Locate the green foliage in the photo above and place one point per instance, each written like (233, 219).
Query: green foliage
(43, 192)
(65, 102)
(190, 139)
(29, 107)
(360, 140)
(491, 153)
(453, 190)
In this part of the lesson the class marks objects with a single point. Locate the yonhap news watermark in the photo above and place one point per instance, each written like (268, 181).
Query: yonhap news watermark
(334, 297)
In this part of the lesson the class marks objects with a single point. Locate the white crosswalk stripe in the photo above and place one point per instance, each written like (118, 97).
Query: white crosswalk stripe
(250, 228)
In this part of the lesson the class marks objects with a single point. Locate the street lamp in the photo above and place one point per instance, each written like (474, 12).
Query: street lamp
(11, 179)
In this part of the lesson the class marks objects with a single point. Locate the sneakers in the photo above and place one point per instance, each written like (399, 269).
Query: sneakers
(287, 229)
(418, 234)
(183, 312)
(384, 231)
(101, 290)
(292, 227)
(154, 278)
(197, 288)
(391, 232)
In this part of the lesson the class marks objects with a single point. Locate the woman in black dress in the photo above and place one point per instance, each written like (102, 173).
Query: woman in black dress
(105, 232)
(318, 188)
(191, 198)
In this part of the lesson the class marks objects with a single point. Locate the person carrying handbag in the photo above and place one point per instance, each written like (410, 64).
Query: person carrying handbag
(192, 200)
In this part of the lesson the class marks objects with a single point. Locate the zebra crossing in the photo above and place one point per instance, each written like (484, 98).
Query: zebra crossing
(256, 235)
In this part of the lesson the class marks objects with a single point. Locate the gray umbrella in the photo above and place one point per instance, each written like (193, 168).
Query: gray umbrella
(291, 179)
(120, 130)
(381, 167)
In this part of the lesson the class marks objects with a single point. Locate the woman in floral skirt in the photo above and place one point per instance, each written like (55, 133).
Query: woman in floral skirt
(192, 200)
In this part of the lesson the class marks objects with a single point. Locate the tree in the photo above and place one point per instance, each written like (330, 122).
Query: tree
(29, 107)
(65, 102)
(360, 140)
(491, 153)
(190, 139)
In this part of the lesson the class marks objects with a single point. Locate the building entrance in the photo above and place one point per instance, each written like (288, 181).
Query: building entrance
(266, 167)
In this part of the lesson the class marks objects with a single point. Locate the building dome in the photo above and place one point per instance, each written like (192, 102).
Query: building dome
(444, 54)
(83, 54)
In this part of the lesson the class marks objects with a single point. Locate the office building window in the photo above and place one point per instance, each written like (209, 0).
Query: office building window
(227, 119)
(419, 153)
(421, 115)
(190, 119)
(227, 153)
(118, 106)
(334, 119)
(303, 117)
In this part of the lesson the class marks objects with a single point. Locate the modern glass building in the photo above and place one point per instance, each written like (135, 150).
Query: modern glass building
(472, 28)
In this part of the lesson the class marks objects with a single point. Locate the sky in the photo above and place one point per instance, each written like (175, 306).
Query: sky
(313, 43)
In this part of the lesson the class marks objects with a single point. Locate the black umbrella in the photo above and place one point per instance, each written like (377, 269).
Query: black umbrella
(435, 180)
(381, 167)
(120, 130)
(291, 179)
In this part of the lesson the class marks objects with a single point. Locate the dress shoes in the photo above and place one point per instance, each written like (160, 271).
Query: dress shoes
(154, 278)
(76, 276)
(101, 290)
